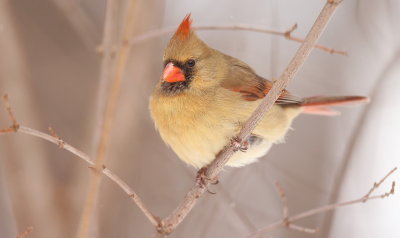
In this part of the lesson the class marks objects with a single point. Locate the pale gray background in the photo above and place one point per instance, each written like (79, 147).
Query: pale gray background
(50, 68)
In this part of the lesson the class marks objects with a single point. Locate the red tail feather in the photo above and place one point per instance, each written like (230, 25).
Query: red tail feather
(320, 105)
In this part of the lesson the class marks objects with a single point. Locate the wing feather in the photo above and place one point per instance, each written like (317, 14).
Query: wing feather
(242, 79)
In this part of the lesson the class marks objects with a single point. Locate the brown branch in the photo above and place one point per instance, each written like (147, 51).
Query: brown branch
(106, 69)
(111, 105)
(169, 224)
(285, 212)
(287, 34)
(26, 232)
(14, 127)
(282, 194)
(53, 138)
(326, 208)
(60, 143)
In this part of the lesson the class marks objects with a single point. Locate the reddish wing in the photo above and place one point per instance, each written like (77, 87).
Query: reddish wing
(244, 80)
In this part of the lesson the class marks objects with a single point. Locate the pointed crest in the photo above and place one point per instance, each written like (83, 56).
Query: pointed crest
(184, 28)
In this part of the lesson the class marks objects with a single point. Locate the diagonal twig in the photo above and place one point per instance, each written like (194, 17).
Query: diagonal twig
(55, 139)
(169, 223)
(326, 208)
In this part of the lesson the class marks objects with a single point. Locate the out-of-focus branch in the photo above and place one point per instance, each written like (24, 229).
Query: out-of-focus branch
(25, 233)
(287, 34)
(14, 127)
(106, 68)
(111, 106)
(79, 20)
(169, 224)
(55, 139)
(288, 221)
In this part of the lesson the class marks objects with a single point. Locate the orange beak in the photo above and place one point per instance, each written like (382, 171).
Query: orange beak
(172, 74)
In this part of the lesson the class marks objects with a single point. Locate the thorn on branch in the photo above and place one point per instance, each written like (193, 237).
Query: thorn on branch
(15, 125)
(60, 142)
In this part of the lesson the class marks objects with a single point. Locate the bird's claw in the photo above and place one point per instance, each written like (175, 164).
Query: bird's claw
(238, 144)
(204, 180)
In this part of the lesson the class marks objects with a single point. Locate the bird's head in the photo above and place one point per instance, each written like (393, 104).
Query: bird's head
(189, 64)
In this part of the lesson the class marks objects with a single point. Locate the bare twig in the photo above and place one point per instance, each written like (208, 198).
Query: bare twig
(302, 228)
(282, 194)
(291, 219)
(60, 143)
(287, 34)
(285, 211)
(26, 232)
(176, 217)
(376, 185)
(14, 127)
(110, 174)
(95, 179)
(106, 69)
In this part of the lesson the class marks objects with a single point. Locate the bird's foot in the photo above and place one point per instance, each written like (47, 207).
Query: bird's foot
(238, 144)
(204, 180)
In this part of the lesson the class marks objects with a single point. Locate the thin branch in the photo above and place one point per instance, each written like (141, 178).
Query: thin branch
(26, 232)
(282, 194)
(80, 20)
(14, 127)
(302, 228)
(110, 174)
(285, 211)
(376, 185)
(176, 217)
(105, 70)
(287, 34)
(326, 208)
(95, 179)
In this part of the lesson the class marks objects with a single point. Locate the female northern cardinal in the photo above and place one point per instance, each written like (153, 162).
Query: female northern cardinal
(204, 97)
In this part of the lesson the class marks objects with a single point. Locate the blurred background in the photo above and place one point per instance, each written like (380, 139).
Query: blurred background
(50, 64)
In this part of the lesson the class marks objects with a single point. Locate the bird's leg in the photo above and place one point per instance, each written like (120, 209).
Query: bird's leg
(203, 179)
(238, 144)
(244, 146)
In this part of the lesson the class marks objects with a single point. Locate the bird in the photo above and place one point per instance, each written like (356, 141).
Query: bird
(204, 97)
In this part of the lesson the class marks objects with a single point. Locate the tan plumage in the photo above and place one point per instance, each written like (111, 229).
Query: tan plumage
(199, 108)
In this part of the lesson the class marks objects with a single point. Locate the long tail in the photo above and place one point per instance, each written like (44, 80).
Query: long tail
(321, 105)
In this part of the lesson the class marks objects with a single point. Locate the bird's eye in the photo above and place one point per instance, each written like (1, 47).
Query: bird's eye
(190, 63)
